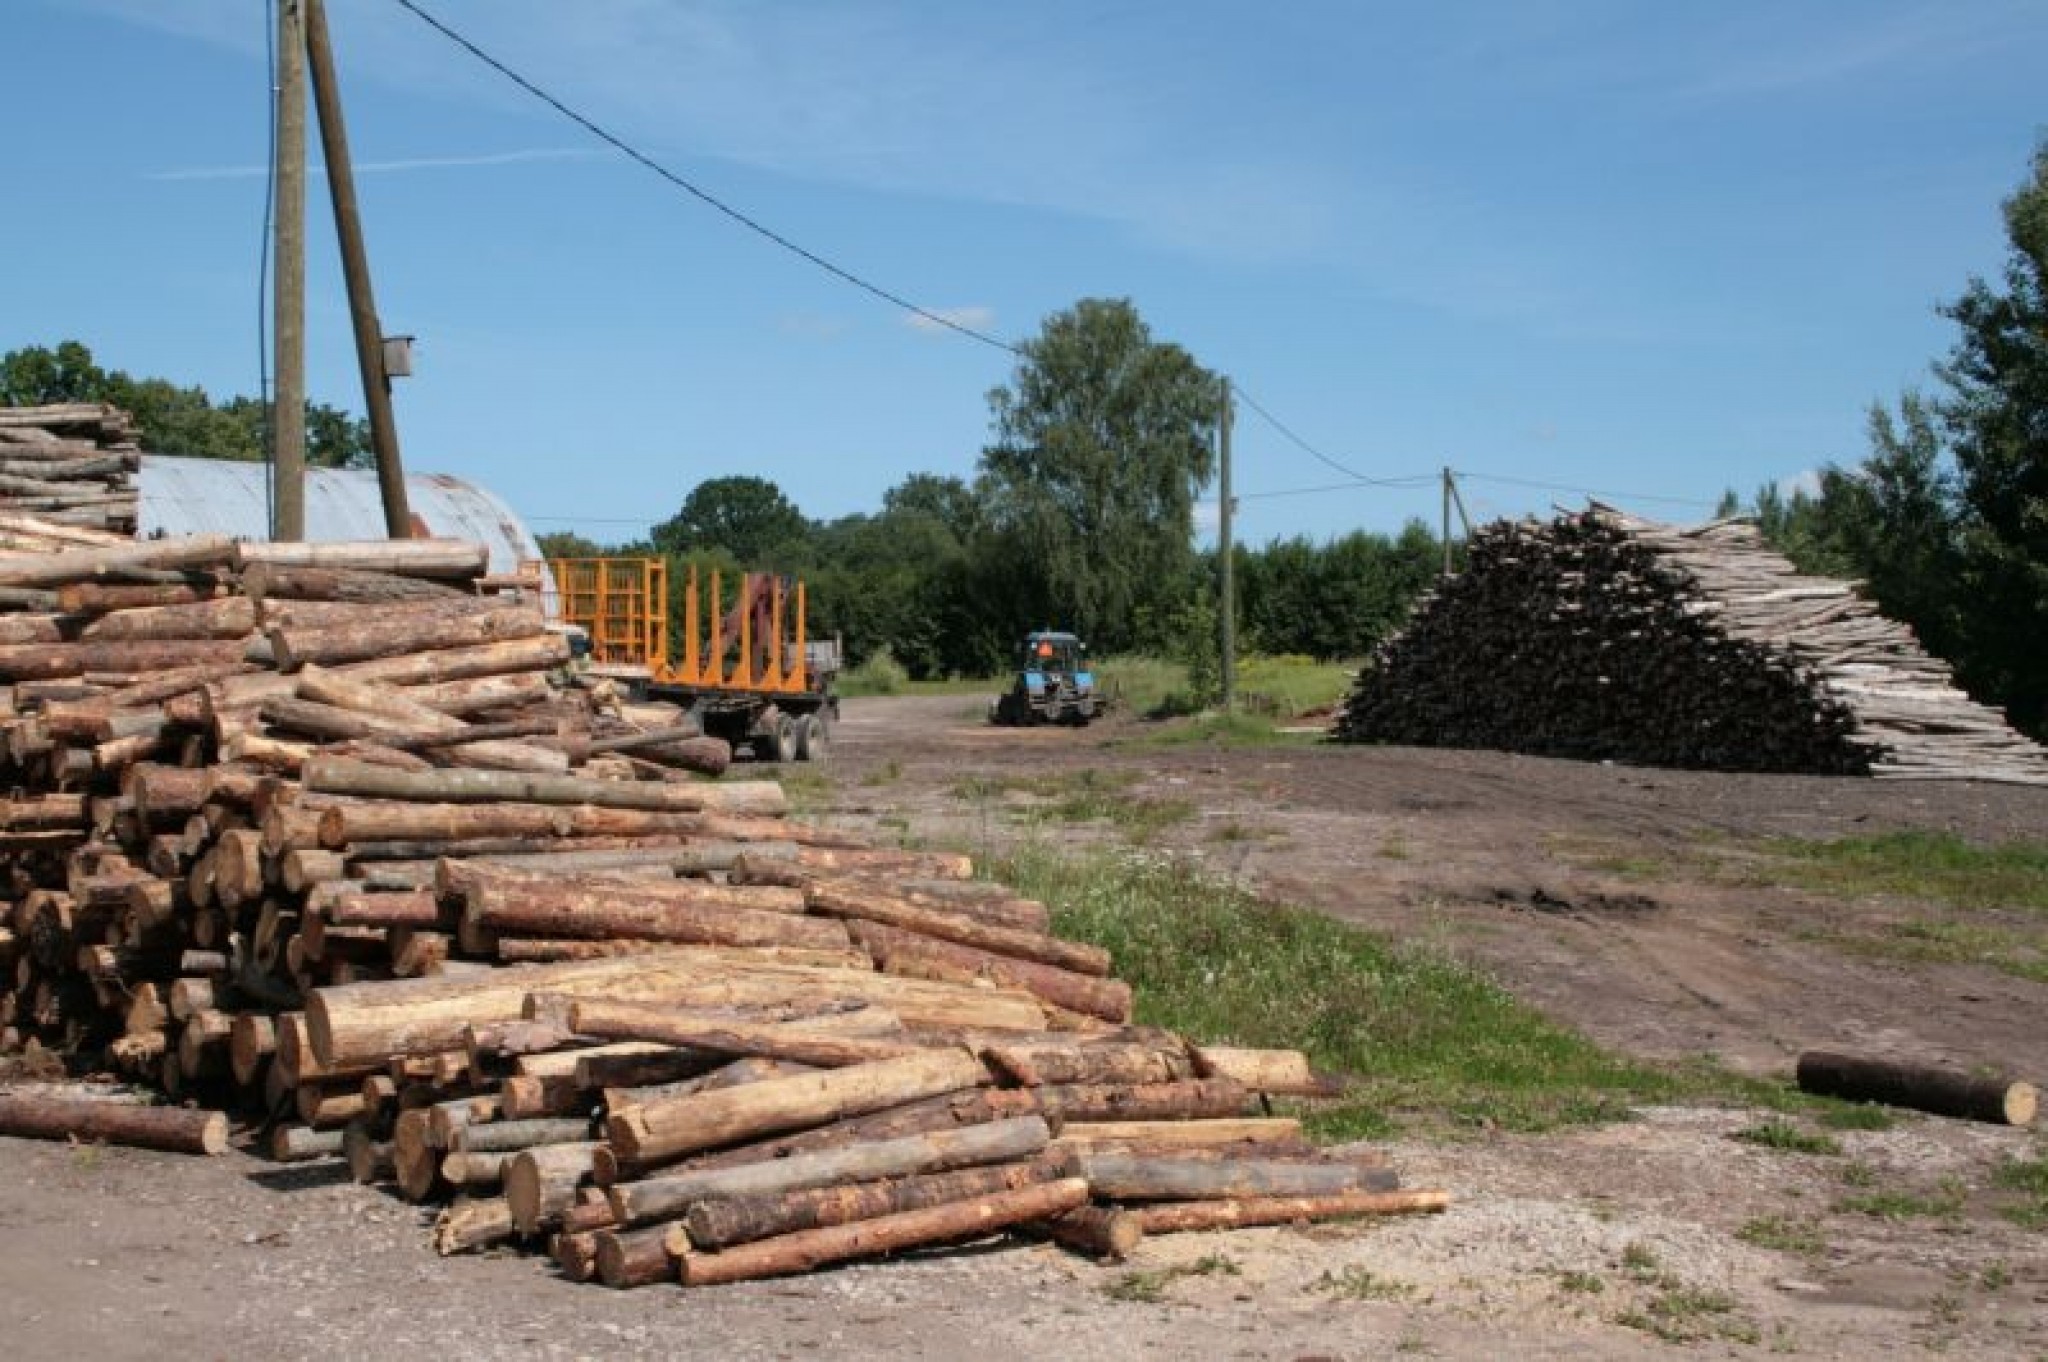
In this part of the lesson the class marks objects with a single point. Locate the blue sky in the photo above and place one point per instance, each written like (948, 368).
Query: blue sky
(1651, 250)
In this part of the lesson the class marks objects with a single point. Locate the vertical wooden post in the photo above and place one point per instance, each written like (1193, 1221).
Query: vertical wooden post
(288, 283)
(355, 264)
(1447, 520)
(1229, 584)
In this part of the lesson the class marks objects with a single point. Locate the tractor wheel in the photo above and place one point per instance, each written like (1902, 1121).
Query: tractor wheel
(813, 742)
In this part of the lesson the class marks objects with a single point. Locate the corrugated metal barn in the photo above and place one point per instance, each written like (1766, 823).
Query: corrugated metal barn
(222, 496)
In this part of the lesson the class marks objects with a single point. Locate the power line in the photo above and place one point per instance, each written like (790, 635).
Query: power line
(704, 196)
(1307, 448)
(1413, 481)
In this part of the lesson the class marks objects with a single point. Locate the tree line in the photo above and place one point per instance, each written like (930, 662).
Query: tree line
(1946, 518)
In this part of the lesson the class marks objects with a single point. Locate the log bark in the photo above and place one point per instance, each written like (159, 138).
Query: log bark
(755, 797)
(795, 1041)
(910, 953)
(725, 1221)
(1278, 1073)
(808, 1249)
(1175, 1217)
(541, 1183)
(873, 905)
(435, 558)
(472, 1223)
(668, 1130)
(1034, 1063)
(1249, 1132)
(399, 716)
(1920, 1087)
(176, 1129)
(79, 565)
(1117, 1176)
(1200, 1099)
(230, 617)
(713, 915)
(296, 1144)
(629, 1258)
(1100, 1231)
(47, 661)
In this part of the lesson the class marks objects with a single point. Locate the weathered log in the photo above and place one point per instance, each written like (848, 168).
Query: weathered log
(667, 1130)
(629, 1258)
(267, 581)
(229, 617)
(400, 716)
(808, 1249)
(873, 905)
(786, 1041)
(1248, 1132)
(1200, 1099)
(754, 797)
(438, 558)
(1171, 1217)
(178, 1130)
(295, 1144)
(722, 1222)
(472, 1222)
(907, 952)
(1922, 1087)
(43, 661)
(504, 1137)
(703, 914)
(1031, 1064)
(1119, 1176)
(1100, 1231)
(79, 565)
(1278, 1073)
(369, 1158)
(860, 860)
(540, 1183)
(475, 1172)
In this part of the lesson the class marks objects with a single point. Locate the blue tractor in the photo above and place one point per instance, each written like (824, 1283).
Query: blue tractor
(1054, 684)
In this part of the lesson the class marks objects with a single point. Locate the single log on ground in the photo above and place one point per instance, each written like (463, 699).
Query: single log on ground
(671, 1195)
(1100, 1231)
(669, 1130)
(176, 1129)
(293, 1144)
(1119, 1176)
(950, 1222)
(1920, 1087)
(723, 1222)
(1175, 1216)
(472, 1222)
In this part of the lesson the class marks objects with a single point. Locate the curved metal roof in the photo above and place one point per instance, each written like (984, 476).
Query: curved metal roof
(225, 496)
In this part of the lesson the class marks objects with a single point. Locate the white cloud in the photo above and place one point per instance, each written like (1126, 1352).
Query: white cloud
(972, 318)
(411, 163)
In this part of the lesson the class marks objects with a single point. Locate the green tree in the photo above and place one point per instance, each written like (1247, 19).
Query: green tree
(748, 517)
(1102, 441)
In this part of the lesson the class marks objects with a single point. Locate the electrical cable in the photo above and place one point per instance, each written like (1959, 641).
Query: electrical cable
(1582, 491)
(704, 196)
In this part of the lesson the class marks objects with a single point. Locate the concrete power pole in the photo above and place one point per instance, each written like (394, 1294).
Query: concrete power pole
(1229, 586)
(288, 297)
(355, 265)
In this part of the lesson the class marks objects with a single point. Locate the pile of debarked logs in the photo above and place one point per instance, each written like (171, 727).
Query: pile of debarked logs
(327, 837)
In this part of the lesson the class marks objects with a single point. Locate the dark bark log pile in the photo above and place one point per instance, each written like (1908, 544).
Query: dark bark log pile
(1598, 635)
(402, 906)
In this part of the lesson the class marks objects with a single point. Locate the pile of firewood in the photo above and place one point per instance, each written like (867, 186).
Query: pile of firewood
(1599, 635)
(320, 835)
(70, 465)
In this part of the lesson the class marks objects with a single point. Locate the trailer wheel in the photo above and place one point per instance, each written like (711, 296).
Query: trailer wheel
(813, 743)
(785, 738)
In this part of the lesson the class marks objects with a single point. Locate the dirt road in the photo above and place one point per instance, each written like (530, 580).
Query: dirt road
(1583, 887)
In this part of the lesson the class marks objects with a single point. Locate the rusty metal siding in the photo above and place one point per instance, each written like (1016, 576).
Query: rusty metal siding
(221, 496)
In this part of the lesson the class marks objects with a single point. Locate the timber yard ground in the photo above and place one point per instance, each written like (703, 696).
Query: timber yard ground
(1691, 922)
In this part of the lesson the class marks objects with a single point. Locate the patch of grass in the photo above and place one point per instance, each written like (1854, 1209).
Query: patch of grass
(1935, 867)
(1356, 1283)
(1427, 1036)
(1088, 795)
(1149, 1287)
(1226, 731)
(808, 791)
(1782, 1234)
(888, 773)
(1289, 685)
(1581, 1283)
(1777, 1133)
(1689, 1314)
(1639, 1260)
(1897, 1203)
(1857, 1173)
(1996, 1276)
(2029, 1177)
(1856, 1116)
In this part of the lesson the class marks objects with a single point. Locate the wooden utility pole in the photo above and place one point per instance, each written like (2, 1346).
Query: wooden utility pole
(1229, 586)
(1447, 520)
(355, 264)
(288, 298)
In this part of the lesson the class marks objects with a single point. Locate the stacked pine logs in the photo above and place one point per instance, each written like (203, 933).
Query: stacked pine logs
(312, 833)
(1599, 635)
(70, 465)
